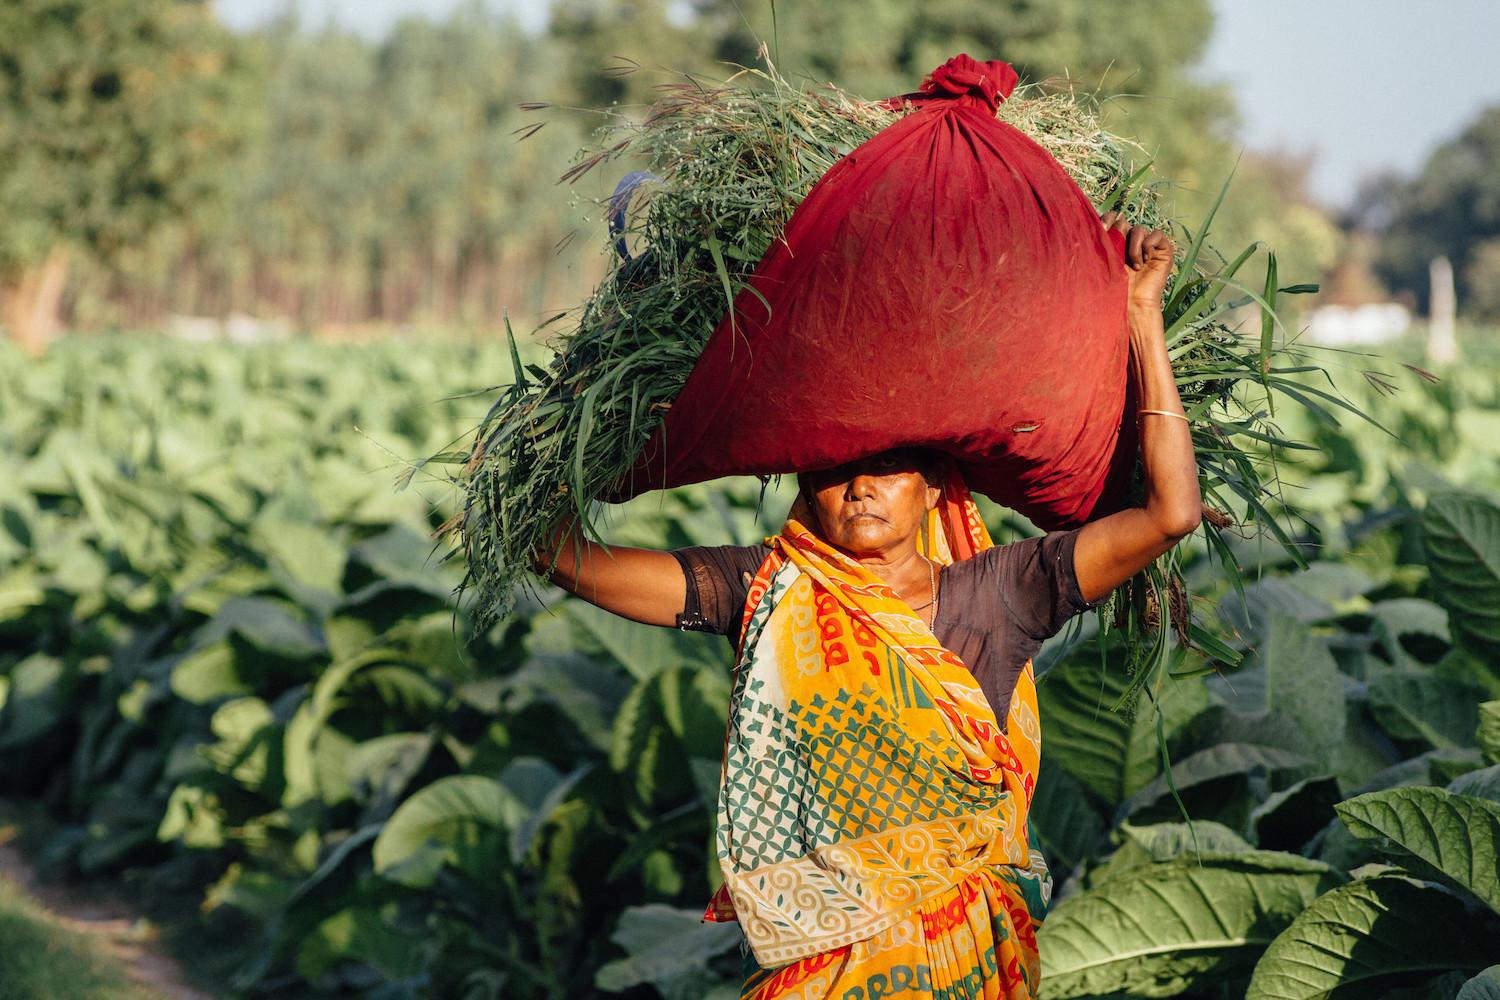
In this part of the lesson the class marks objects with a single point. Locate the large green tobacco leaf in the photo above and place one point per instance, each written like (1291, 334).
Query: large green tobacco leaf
(1458, 835)
(646, 651)
(1461, 535)
(1358, 935)
(1159, 930)
(1221, 761)
(1342, 849)
(1483, 783)
(209, 673)
(268, 625)
(1411, 632)
(316, 753)
(1485, 986)
(1145, 845)
(1111, 753)
(308, 553)
(460, 819)
(666, 723)
(1488, 731)
(1411, 704)
(414, 842)
(1062, 817)
(31, 700)
(667, 948)
(1291, 685)
(361, 934)
(1263, 600)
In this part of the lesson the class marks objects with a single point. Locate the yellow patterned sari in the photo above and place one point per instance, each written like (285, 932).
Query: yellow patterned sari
(872, 814)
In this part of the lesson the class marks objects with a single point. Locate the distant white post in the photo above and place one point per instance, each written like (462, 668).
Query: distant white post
(1442, 344)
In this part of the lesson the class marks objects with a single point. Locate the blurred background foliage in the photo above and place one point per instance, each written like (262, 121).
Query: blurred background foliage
(235, 679)
(159, 164)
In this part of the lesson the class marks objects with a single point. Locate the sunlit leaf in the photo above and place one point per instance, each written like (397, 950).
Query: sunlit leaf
(1461, 537)
(1161, 930)
(1359, 937)
(425, 829)
(1485, 986)
(1488, 732)
(1457, 835)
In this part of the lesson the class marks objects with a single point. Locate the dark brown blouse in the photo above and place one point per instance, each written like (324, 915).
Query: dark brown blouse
(994, 610)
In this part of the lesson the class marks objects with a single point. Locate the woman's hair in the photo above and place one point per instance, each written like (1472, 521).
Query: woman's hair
(929, 460)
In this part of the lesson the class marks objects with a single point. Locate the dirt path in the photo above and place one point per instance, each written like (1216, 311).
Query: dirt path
(116, 928)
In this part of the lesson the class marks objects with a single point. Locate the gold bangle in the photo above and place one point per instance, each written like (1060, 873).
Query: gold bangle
(1165, 413)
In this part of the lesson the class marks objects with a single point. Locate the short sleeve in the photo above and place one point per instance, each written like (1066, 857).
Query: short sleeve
(1039, 583)
(718, 581)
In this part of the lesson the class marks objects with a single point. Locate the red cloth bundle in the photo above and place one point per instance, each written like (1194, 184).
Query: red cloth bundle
(946, 284)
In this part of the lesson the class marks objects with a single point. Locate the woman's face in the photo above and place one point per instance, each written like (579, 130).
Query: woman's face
(871, 506)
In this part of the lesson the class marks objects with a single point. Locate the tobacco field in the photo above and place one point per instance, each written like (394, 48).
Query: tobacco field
(232, 666)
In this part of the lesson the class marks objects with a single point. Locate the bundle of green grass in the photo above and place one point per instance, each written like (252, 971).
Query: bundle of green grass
(729, 164)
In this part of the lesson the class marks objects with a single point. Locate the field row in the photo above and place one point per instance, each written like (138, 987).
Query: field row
(232, 660)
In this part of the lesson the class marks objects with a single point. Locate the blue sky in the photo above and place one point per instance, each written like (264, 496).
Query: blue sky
(1364, 84)
(1367, 84)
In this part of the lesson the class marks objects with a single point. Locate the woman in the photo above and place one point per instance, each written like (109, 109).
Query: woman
(883, 739)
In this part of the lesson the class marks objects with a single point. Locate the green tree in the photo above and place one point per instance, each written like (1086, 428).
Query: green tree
(1139, 61)
(1482, 279)
(1452, 207)
(321, 176)
(393, 184)
(388, 182)
(115, 116)
(618, 51)
(1267, 201)
(882, 48)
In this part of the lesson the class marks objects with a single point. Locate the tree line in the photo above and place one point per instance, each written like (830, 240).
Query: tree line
(154, 162)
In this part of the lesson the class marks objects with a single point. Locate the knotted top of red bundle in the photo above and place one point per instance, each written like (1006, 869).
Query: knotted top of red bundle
(946, 285)
(966, 81)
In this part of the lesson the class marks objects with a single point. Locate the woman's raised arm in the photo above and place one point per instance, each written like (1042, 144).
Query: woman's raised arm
(1111, 550)
(644, 585)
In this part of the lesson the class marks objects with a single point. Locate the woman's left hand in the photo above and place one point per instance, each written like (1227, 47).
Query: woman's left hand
(1149, 255)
